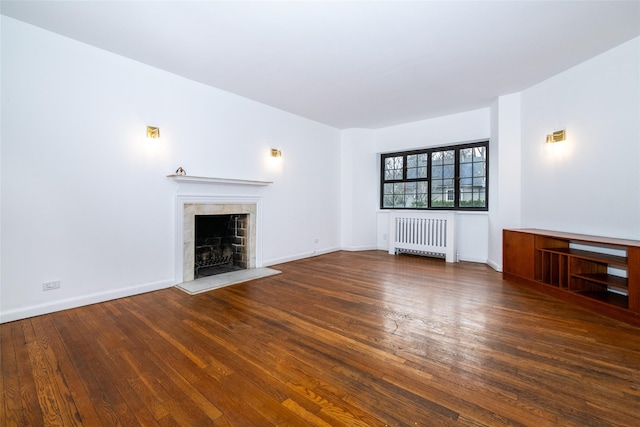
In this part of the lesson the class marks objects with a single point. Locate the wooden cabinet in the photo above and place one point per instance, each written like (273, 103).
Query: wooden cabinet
(599, 273)
(516, 254)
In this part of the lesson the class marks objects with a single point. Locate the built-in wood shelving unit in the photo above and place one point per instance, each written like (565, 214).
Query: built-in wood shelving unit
(599, 277)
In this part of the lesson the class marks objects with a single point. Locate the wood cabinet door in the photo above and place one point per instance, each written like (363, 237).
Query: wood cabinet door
(518, 254)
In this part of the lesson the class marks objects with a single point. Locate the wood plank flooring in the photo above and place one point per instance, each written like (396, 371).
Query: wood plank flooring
(344, 339)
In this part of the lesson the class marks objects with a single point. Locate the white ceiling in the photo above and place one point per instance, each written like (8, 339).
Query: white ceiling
(355, 64)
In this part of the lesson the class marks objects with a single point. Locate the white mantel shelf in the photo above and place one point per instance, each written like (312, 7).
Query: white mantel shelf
(208, 180)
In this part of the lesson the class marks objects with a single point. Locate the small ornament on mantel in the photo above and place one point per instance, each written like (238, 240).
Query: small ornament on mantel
(180, 171)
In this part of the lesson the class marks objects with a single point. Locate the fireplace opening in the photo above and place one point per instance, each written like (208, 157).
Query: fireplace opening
(220, 244)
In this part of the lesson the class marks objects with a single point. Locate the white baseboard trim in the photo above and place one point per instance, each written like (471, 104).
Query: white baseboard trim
(359, 248)
(497, 267)
(471, 259)
(274, 261)
(65, 304)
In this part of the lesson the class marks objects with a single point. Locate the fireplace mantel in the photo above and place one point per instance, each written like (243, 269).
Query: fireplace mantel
(208, 180)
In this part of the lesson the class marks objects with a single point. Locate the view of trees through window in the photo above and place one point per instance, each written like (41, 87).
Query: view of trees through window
(453, 177)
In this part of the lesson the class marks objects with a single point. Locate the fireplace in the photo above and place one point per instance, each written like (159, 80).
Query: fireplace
(217, 238)
(220, 244)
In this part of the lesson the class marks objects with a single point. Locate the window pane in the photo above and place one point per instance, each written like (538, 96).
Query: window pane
(449, 157)
(442, 184)
(393, 168)
(410, 194)
(466, 155)
(416, 173)
(421, 201)
(417, 166)
(388, 163)
(466, 170)
(436, 158)
(479, 199)
(408, 200)
(439, 200)
(443, 157)
(439, 193)
(448, 171)
(387, 201)
(473, 182)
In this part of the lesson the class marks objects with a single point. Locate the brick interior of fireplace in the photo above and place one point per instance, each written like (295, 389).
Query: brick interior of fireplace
(220, 244)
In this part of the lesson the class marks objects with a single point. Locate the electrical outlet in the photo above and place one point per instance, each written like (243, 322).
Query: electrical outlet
(316, 241)
(47, 286)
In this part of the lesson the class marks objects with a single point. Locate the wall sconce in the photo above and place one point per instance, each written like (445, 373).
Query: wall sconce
(557, 136)
(275, 152)
(153, 132)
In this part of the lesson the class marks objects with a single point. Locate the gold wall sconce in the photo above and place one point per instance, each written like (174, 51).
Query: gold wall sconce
(275, 152)
(557, 136)
(153, 132)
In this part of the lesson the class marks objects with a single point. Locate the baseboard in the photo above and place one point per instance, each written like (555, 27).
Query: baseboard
(359, 248)
(471, 259)
(37, 310)
(497, 267)
(274, 261)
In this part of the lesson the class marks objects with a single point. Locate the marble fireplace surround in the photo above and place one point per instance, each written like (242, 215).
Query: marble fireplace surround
(189, 206)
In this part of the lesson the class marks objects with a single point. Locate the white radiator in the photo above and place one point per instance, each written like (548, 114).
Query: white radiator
(422, 233)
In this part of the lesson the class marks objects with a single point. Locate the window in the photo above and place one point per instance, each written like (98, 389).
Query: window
(453, 177)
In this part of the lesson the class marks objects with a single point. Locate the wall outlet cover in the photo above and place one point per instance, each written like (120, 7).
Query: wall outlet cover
(47, 286)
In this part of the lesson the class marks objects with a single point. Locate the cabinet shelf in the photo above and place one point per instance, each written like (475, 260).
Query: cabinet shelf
(605, 279)
(617, 300)
(588, 255)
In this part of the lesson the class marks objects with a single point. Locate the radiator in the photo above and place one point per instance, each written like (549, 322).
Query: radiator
(422, 233)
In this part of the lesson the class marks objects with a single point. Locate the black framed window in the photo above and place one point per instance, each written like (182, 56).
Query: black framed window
(453, 177)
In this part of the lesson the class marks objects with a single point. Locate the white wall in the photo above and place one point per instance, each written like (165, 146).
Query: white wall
(85, 199)
(1, 127)
(471, 228)
(359, 181)
(589, 184)
(505, 173)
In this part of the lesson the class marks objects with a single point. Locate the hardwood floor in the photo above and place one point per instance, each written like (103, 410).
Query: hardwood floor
(349, 338)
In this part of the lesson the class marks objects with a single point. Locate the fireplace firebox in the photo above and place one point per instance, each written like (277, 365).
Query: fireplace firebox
(220, 244)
